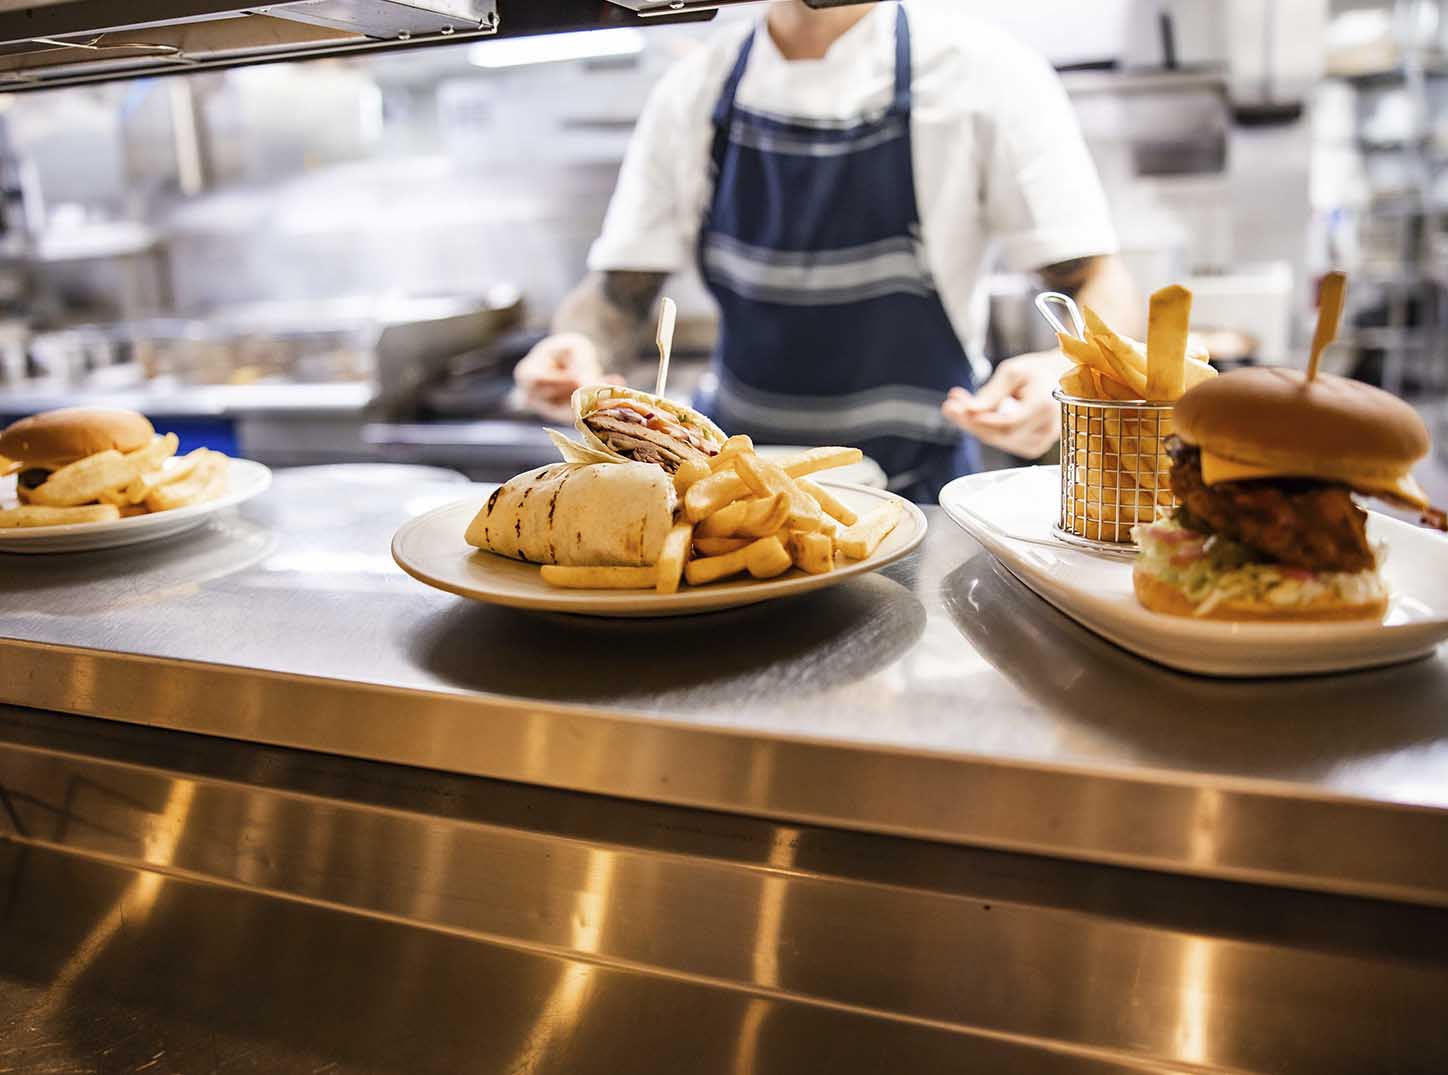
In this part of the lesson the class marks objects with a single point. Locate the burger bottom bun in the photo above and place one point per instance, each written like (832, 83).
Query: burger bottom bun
(1161, 596)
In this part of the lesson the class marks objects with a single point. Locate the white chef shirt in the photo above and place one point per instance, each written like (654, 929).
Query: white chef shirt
(998, 155)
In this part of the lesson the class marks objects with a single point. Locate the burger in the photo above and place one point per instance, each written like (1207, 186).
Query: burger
(1264, 467)
(46, 442)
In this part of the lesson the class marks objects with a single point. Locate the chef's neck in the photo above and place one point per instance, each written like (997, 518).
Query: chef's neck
(801, 32)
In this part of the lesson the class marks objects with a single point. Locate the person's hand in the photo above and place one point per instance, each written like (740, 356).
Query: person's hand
(1013, 411)
(547, 375)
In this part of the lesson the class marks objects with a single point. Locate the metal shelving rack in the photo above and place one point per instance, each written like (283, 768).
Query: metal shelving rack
(1408, 273)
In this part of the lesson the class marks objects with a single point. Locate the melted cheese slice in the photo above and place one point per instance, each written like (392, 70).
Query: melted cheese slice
(1217, 469)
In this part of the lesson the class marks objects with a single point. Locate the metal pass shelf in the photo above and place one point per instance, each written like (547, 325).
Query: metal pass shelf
(938, 699)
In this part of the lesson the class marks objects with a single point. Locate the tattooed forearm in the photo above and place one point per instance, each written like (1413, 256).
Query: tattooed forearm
(1068, 276)
(633, 292)
(612, 309)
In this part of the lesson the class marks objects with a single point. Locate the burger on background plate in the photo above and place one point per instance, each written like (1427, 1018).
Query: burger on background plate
(94, 465)
(1264, 466)
(45, 443)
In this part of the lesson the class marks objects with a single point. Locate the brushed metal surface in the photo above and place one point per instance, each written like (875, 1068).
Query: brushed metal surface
(938, 698)
(179, 904)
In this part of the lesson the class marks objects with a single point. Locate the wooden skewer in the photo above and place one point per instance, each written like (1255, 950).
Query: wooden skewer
(668, 312)
(1329, 313)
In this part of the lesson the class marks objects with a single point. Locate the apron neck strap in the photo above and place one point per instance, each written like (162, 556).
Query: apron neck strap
(902, 62)
(725, 104)
(900, 104)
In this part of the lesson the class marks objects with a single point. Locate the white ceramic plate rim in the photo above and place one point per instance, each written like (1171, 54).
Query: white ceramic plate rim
(640, 603)
(247, 478)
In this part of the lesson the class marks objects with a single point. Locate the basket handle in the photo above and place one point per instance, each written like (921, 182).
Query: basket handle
(1046, 299)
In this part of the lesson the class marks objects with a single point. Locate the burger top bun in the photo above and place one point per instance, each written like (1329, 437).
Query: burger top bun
(1331, 427)
(54, 439)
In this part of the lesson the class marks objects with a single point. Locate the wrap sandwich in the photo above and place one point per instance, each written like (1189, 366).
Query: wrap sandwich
(625, 425)
(580, 514)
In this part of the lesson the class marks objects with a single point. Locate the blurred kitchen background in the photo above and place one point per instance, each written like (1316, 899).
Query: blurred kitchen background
(342, 259)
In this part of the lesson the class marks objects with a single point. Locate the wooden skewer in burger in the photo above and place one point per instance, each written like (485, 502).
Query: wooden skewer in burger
(1265, 462)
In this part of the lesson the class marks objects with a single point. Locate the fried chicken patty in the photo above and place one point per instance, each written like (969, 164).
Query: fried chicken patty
(1298, 521)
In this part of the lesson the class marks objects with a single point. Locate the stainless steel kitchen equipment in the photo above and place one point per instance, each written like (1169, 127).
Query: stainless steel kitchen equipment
(75, 41)
(1114, 470)
(286, 383)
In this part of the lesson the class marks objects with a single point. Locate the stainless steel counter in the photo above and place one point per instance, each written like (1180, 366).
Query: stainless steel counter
(202, 400)
(937, 699)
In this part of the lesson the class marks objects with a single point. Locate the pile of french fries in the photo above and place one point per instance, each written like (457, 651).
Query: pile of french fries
(1121, 449)
(113, 485)
(746, 515)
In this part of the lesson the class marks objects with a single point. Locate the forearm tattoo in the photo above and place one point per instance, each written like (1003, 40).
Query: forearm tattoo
(612, 309)
(633, 292)
(1068, 277)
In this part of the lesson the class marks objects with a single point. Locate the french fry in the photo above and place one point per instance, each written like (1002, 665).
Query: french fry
(1166, 343)
(1079, 382)
(713, 568)
(41, 515)
(137, 491)
(710, 495)
(767, 558)
(115, 496)
(206, 481)
(689, 472)
(84, 480)
(1082, 352)
(862, 539)
(812, 552)
(763, 559)
(673, 557)
(828, 503)
(768, 479)
(1124, 361)
(600, 578)
(1093, 355)
(747, 518)
(719, 546)
(152, 455)
(1111, 388)
(732, 447)
(821, 459)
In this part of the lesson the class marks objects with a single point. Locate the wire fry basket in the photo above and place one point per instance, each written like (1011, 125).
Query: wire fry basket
(1114, 470)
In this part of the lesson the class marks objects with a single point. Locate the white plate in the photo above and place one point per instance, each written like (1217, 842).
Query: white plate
(1010, 512)
(865, 472)
(431, 549)
(247, 479)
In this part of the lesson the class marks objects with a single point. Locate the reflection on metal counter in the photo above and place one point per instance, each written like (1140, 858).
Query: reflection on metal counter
(181, 904)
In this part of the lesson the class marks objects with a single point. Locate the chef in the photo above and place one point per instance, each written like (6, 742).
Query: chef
(841, 177)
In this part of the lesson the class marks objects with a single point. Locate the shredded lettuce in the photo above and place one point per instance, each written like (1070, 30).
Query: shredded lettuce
(1210, 570)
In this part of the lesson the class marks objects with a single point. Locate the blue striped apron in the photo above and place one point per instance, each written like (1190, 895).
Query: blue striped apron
(831, 328)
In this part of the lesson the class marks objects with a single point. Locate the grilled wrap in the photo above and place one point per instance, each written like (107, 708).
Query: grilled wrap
(579, 514)
(627, 425)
